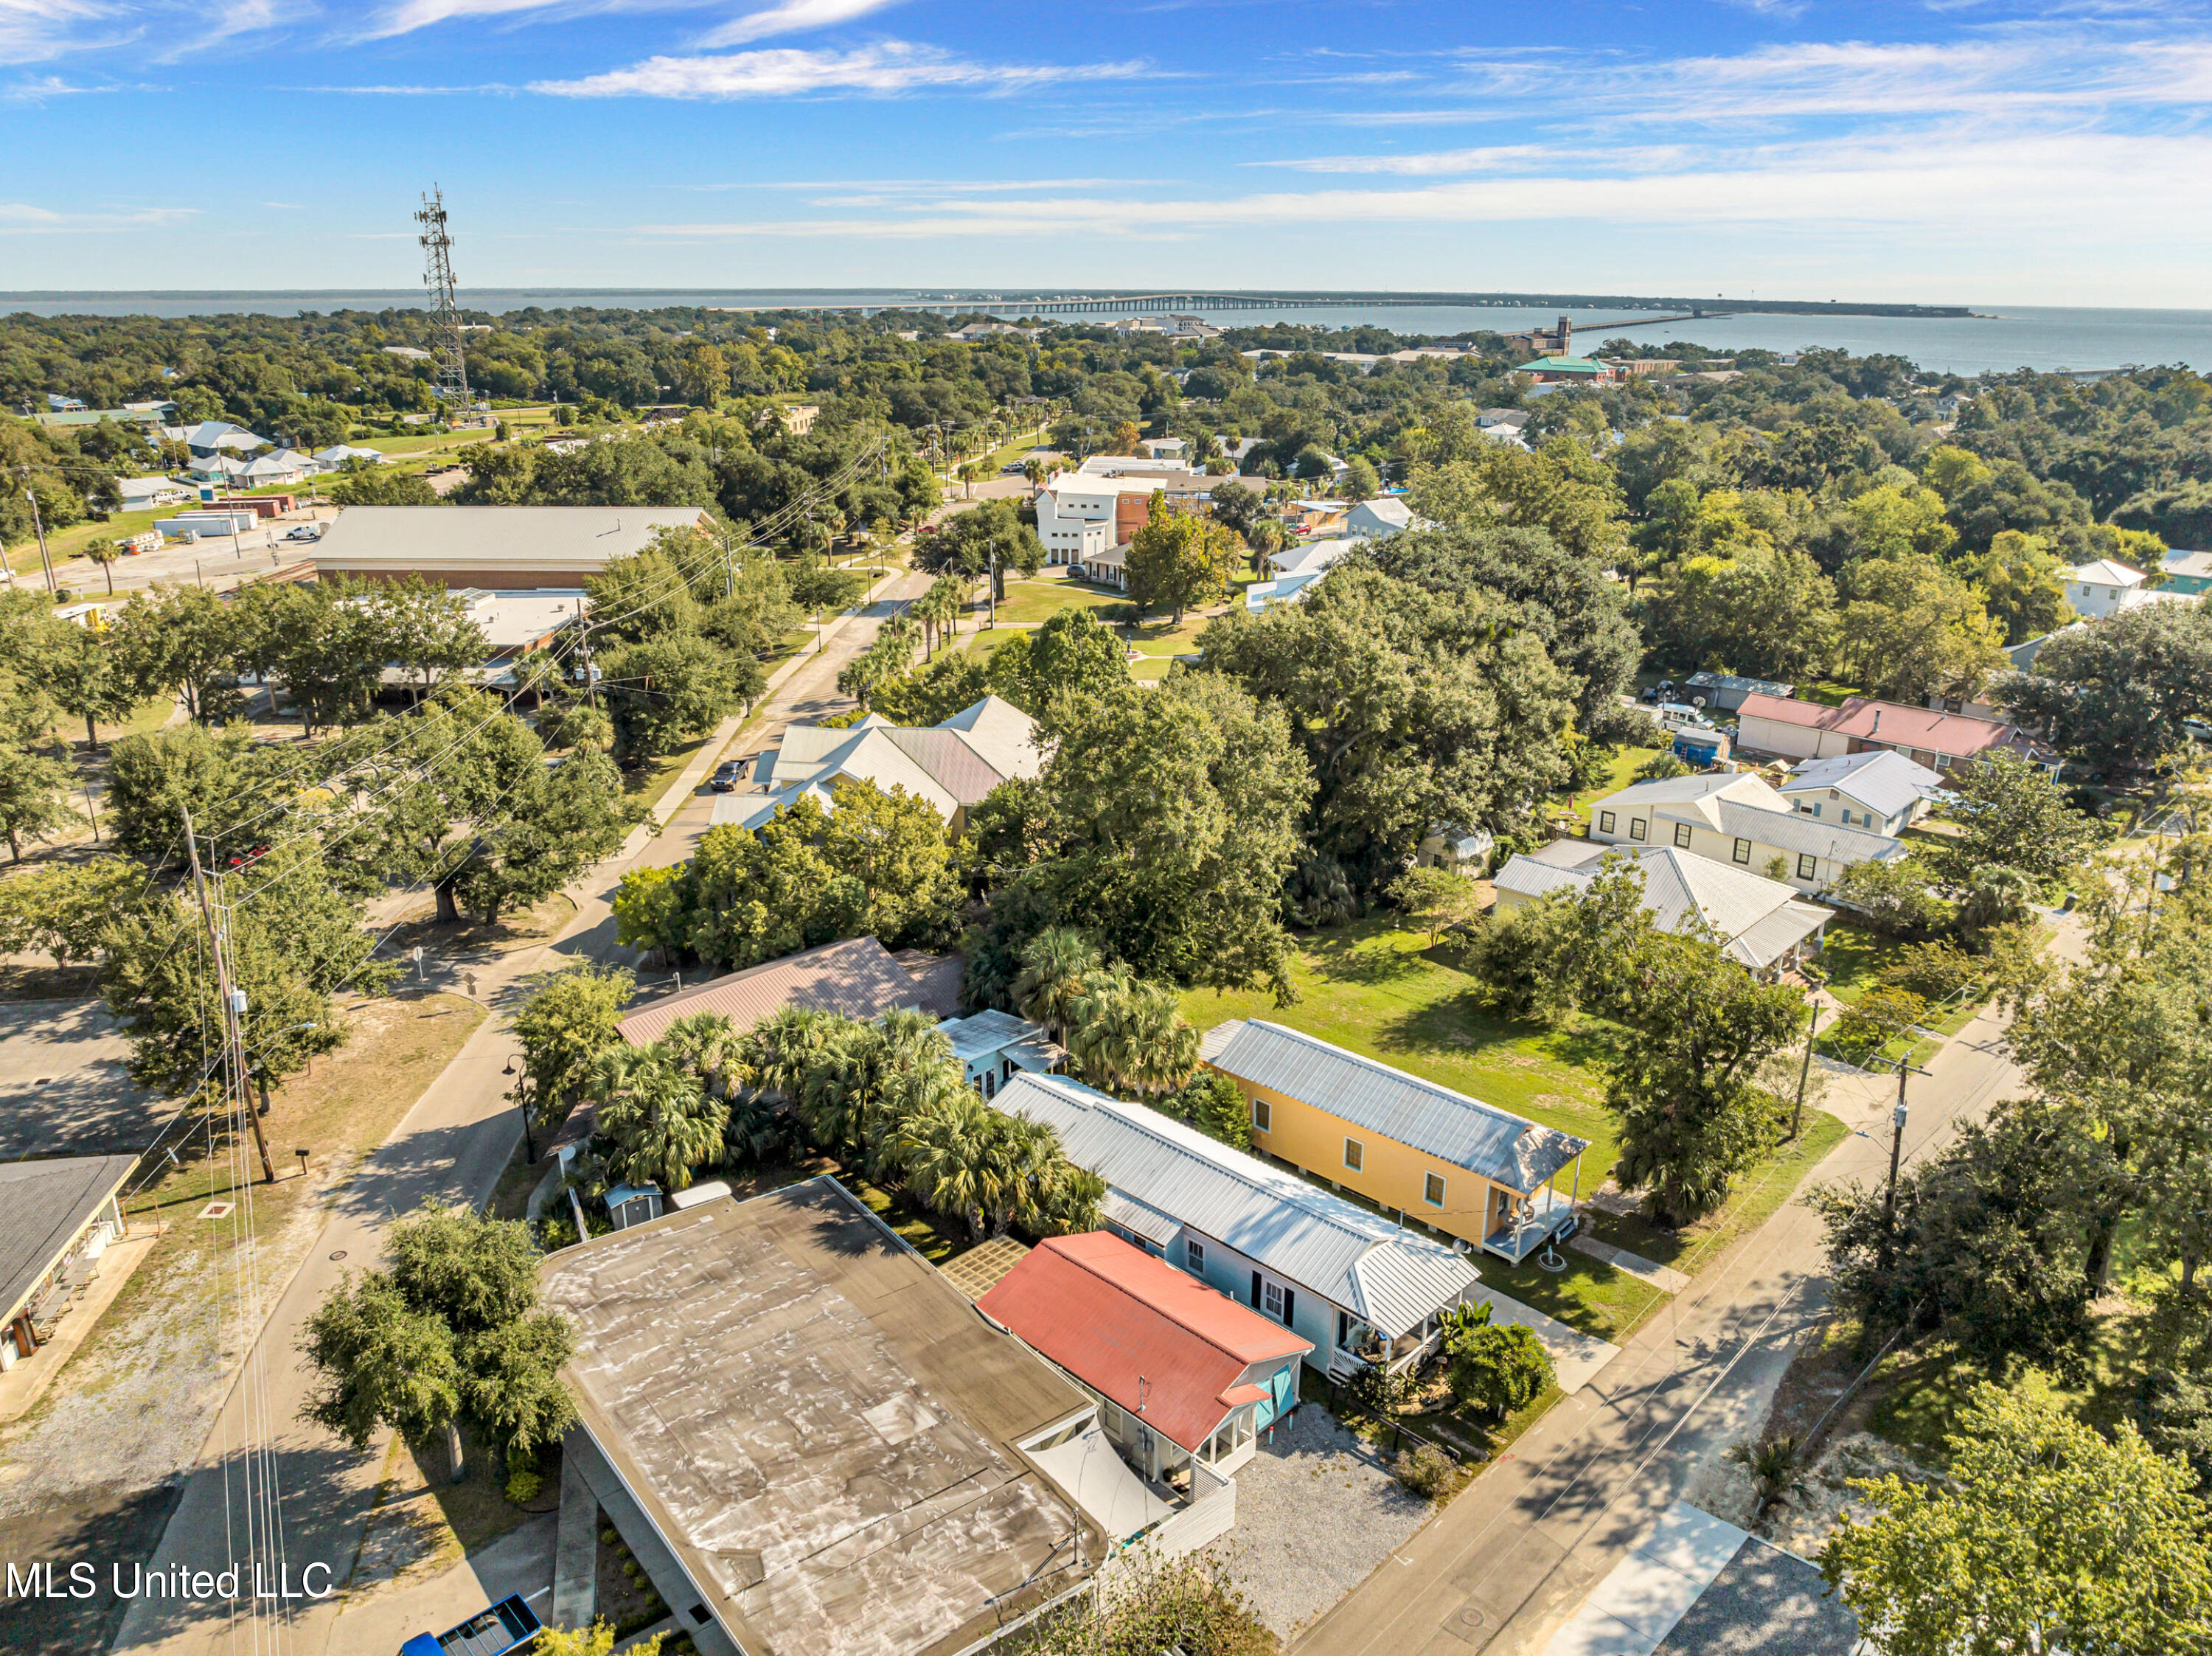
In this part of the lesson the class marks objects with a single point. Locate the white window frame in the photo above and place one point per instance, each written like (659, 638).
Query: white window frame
(1262, 1117)
(1193, 1253)
(1437, 1180)
(1271, 1299)
(1355, 1156)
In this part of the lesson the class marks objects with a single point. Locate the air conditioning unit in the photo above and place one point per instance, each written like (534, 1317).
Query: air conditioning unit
(1461, 1244)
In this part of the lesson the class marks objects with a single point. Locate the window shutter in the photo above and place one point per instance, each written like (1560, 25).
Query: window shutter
(1255, 1290)
(1290, 1306)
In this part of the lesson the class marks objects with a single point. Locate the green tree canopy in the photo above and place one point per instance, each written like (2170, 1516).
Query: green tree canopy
(2045, 1535)
(1180, 560)
(2117, 694)
(1413, 708)
(1166, 823)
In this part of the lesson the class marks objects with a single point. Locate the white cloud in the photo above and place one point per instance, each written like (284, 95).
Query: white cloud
(33, 31)
(1971, 187)
(892, 66)
(2005, 72)
(791, 17)
(23, 218)
(48, 85)
(1492, 157)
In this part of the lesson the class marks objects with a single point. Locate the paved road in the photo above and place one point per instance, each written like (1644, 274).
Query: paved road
(1511, 1560)
(449, 1147)
(809, 691)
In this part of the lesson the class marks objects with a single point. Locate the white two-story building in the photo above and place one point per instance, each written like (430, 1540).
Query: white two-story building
(1739, 820)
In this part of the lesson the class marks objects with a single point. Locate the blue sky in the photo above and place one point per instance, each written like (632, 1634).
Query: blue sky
(1951, 150)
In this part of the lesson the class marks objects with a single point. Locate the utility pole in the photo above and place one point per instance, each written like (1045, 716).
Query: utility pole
(234, 1000)
(1897, 1118)
(1804, 1074)
(39, 524)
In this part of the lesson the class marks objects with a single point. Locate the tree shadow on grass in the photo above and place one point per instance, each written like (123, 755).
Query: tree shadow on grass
(1360, 954)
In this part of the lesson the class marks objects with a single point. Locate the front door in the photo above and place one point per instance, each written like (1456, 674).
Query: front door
(1279, 1399)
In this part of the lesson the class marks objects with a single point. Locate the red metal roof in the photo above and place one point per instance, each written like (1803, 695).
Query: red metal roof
(857, 977)
(1955, 734)
(1111, 1315)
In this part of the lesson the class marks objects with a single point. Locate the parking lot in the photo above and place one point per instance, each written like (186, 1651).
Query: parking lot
(218, 561)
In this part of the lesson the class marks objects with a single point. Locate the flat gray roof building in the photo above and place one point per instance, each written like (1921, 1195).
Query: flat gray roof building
(490, 546)
(817, 1428)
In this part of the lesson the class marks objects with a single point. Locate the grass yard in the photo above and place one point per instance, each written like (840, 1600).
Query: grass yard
(651, 784)
(1854, 958)
(1373, 988)
(1043, 596)
(1620, 773)
(935, 1238)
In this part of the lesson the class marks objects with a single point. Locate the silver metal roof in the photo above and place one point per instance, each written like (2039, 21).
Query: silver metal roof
(1504, 1148)
(1389, 1277)
(1884, 779)
(1760, 918)
(988, 1031)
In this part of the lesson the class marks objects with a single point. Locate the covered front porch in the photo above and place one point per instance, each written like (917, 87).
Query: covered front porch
(1520, 1225)
(1358, 1346)
(1530, 1223)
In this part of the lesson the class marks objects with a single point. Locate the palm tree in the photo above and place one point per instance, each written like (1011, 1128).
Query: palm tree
(970, 471)
(1266, 538)
(662, 1121)
(712, 1047)
(1101, 1033)
(756, 1133)
(785, 1045)
(906, 1097)
(1033, 470)
(1133, 1034)
(1055, 965)
(943, 1151)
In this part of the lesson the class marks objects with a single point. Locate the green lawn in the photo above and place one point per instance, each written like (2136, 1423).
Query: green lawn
(1043, 596)
(1374, 989)
(649, 785)
(935, 1238)
(1619, 774)
(1854, 958)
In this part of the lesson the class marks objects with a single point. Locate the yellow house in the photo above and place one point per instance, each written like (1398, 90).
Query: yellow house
(1476, 1173)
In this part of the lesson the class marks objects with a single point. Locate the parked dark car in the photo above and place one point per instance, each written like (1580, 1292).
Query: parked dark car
(727, 775)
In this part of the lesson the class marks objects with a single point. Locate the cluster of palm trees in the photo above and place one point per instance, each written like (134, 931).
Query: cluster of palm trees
(938, 612)
(924, 624)
(884, 1096)
(888, 657)
(887, 1096)
(1125, 1033)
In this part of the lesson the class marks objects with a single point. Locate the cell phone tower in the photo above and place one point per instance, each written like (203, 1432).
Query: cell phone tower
(445, 309)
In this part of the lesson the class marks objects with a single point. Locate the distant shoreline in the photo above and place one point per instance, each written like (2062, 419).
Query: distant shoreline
(983, 300)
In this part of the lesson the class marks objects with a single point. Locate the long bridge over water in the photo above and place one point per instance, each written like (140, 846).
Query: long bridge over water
(1125, 303)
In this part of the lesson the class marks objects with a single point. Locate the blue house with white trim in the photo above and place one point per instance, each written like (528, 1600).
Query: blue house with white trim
(1360, 1288)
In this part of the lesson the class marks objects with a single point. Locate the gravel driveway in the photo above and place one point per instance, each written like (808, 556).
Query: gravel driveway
(1316, 1514)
